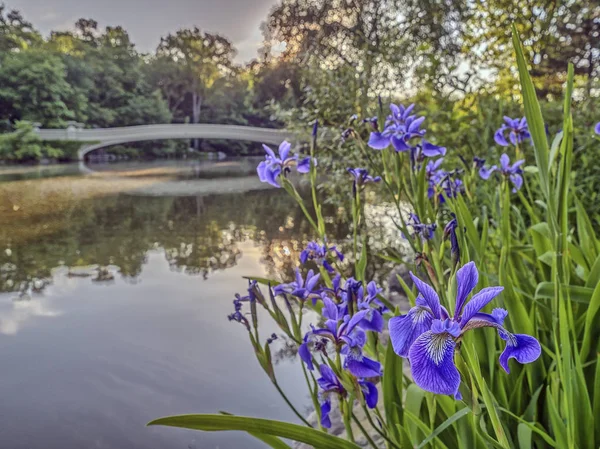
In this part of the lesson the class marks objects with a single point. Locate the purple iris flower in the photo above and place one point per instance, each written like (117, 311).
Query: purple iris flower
(361, 177)
(517, 131)
(450, 232)
(270, 169)
(318, 254)
(426, 149)
(372, 121)
(597, 128)
(427, 335)
(512, 172)
(400, 127)
(441, 180)
(346, 335)
(330, 384)
(237, 314)
(485, 173)
(425, 231)
(336, 290)
(445, 183)
(434, 174)
(478, 162)
(354, 291)
(301, 288)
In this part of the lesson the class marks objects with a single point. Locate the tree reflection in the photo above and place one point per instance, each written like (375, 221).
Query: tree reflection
(199, 235)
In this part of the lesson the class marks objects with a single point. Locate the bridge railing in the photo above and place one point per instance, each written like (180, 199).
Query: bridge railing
(166, 131)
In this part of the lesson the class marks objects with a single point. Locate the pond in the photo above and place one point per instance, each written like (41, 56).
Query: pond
(114, 294)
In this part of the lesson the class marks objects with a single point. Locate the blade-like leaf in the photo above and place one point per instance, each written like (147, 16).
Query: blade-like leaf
(533, 112)
(439, 429)
(524, 434)
(591, 323)
(214, 423)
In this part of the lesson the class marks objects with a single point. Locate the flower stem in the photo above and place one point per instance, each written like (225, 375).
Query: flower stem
(285, 398)
(364, 432)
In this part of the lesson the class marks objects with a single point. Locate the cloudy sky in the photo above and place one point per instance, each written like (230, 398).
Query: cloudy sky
(148, 20)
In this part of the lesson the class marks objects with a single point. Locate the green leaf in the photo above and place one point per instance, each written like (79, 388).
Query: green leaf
(546, 290)
(414, 399)
(594, 274)
(531, 169)
(361, 265)
(596, 400)
(585, 233)
(533, 113)
(269, 440)
(524, 434)
(215, 423)
(555, 147)
(591, 323)
(273, 442)
(547, 438)
(452, 419)
(558, 426)
(392, 391)
(263, 281)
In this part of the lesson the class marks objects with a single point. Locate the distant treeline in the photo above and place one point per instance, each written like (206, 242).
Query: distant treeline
(325, 60)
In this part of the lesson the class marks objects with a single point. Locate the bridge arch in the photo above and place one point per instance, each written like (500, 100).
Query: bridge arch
(95, 139)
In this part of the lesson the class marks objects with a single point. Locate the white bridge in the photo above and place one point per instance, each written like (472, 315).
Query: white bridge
(94, 139)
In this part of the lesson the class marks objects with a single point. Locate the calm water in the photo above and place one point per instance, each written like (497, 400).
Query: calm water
(114, 291)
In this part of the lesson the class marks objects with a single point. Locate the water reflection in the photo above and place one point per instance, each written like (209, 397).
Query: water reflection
(199, 235)
(119, 301)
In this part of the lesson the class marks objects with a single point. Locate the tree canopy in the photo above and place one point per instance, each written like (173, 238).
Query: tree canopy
(319, 59)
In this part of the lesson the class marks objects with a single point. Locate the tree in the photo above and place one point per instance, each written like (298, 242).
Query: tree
(106, 70)
(204, 58)
(15, 32)
(169, 77)
(377, 39)
(553, 33)
(33, 87)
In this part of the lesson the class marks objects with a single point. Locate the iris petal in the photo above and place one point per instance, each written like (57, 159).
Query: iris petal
(361, 366)
(399, 144)
(311, 280)
(466, 280)
(330, 310)
(304, 354)
(432, 363)
(373, 321)
(523, 348)
(485, 173)
(597, 128)
(431, 150)
(504, 162)
(500, 139)
(478, 302)
(415, 124)
(304, 165)
(284, 150)
(269, 151)
(271, 173)
(260, 170)
(405, 329)
(430, 297)
(378, 141)
(517, 181)
(370, 393)
(325, 409)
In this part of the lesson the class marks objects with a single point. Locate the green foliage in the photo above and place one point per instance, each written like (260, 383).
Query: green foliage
(23, 145)
(33, 87)
(540, 245)
(316, 438)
